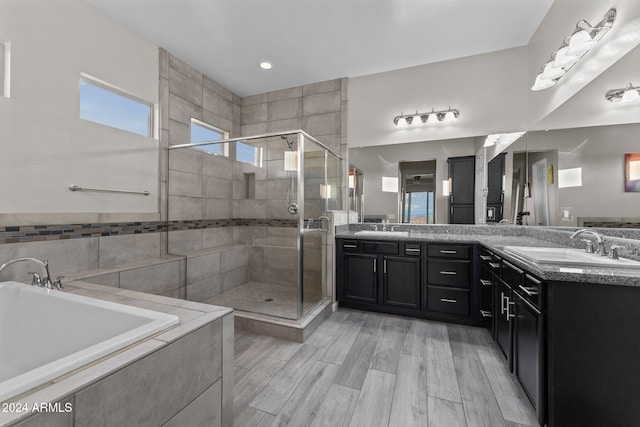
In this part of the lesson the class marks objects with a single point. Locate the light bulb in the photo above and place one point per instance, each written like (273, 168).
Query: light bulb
(417, 120)
(542, 83)
(449, 116)
(402, 122)
(630, 95)
(552, 73)
(433, 118)
(563, 59)
(580, 43)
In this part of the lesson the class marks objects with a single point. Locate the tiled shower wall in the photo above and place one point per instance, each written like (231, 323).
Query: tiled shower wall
(203, 187)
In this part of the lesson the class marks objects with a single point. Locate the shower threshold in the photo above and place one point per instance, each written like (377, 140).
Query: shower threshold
(276, 317)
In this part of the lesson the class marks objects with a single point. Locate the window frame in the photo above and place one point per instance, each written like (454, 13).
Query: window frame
(222, 132)
(121, 92)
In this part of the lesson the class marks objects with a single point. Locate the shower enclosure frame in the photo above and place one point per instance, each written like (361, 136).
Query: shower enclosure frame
(302, 138)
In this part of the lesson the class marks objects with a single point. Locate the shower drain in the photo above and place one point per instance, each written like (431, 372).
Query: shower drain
(269, 299)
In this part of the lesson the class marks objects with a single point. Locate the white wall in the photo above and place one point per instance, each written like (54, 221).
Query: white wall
(376, 162)
(489, 90)
(45, 146)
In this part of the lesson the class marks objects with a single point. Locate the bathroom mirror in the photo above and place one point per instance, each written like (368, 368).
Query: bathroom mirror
(573, 159)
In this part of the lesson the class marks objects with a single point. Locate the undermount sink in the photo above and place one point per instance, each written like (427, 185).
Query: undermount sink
(372, 233)
(569, 257)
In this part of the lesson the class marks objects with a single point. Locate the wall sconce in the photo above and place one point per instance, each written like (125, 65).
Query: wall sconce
(572, 49)
(442, 116)
(390, 184)
(290, 161)
(504, 139)
(628, 94)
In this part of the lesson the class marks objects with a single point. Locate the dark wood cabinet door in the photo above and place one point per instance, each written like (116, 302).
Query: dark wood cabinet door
(462, 173)
(494, 180)
(502, 322)
(528, 341)
(401, 285)
(461, 214)
(360, 278)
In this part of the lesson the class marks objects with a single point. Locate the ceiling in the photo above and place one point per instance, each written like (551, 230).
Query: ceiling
(310, 41)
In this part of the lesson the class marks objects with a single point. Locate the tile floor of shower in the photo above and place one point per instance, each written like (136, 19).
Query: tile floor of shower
(267, 298)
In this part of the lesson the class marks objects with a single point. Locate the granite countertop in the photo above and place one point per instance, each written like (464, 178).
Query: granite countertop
(496, 243)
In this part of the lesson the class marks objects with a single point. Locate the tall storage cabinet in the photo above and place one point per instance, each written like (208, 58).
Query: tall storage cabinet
(462, 191)
(495, 196)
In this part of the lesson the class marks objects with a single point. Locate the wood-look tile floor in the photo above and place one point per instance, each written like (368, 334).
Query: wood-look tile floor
(368, 369)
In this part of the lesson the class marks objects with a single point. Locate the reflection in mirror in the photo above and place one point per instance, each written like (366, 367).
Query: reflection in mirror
(572, 177)
(417, 193)
(356, 192)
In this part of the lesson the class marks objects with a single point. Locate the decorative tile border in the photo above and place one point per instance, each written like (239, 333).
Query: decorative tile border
(40, 233)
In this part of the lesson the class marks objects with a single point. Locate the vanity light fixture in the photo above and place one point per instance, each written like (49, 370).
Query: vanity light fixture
(433, 117)
(573, 47)
(629, 94)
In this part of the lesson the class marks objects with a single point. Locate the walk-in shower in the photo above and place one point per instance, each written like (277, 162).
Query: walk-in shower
(250, 216)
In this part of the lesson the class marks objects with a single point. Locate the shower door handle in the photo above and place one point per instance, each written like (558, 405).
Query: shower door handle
(324, 223)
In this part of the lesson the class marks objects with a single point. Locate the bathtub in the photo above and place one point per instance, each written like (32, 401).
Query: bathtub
(45, 334)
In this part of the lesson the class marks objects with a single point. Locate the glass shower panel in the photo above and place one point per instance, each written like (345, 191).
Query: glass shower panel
(313, 223)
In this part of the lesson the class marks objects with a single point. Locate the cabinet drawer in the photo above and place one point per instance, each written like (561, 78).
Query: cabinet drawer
(448, 300)
(512, 274)
(350, 245)
(449, 251)
(412, 249)
(448, 273)
(389, 248)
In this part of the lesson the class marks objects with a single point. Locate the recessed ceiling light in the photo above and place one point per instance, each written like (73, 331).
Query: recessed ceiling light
(265, 65)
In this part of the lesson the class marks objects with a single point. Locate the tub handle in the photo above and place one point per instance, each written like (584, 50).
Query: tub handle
(36, 280)
(57, 284)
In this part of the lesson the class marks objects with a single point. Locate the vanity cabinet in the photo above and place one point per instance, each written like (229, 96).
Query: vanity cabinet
(448, 274)
(433, 281)
(372, 275)
(489, 263)
(519, 329)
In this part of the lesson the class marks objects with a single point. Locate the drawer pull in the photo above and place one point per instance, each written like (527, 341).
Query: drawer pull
(531, 292)
(448, 300)
(486, 257)
(494, 264)
(485, 313)
(485, 282)
(448, 273)
(412, 250)
(448, 252)
(349, 246)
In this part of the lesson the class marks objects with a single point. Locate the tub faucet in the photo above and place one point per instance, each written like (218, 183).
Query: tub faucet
(602, 250)
(43, 279)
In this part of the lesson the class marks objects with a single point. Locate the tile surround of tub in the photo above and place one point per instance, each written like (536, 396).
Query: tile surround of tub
(167, 377)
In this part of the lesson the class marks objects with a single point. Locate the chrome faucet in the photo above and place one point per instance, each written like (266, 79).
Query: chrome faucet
(602, 250)
(43, 279)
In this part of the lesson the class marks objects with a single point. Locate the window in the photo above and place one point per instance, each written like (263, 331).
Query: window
(418, 208)
(5, 68)
(102, 104)
(248, 154)
(202, 132)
